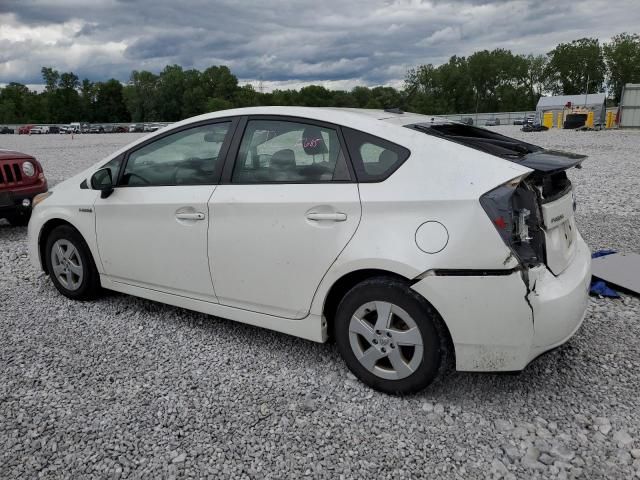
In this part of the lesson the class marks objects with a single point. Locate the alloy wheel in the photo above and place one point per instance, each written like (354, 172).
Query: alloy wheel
(67, 264)
(386, 340)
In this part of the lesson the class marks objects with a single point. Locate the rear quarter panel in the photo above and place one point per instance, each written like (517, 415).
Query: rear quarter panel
(440, 181)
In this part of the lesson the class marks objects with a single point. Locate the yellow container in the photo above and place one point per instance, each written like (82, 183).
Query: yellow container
(589, 120)
(547, 119)
(610, 120)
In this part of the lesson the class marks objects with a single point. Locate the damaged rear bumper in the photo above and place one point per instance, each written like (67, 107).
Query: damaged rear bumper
(499, 322)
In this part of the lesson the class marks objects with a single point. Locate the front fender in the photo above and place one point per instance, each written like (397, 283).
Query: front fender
(75, 210)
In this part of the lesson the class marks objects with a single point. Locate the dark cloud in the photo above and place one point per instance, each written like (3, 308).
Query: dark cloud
(360, 41)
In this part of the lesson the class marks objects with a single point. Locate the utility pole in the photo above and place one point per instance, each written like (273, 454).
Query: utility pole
(586, 91)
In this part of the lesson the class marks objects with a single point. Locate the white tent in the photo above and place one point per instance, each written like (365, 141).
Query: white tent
(592, 101)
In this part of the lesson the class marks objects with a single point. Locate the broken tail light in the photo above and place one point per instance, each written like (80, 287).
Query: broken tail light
(513, 210)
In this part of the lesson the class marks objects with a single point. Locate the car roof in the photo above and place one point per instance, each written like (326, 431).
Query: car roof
(340, 116)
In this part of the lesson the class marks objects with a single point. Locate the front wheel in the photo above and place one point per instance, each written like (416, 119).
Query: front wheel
(390, 337)
(70, 264)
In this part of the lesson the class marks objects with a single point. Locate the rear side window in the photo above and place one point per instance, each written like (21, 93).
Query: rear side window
(274, 151)
(374, 158)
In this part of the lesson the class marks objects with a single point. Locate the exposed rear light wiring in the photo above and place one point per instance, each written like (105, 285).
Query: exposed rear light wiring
(514, 212)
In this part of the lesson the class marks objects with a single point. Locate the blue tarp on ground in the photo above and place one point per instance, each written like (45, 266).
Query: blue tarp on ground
(600, 287)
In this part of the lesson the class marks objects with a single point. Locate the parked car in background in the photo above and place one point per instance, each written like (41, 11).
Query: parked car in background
(24, 129)
(4, 130)
(152, 127)
(314, 221)
(39, 130)
(21, 179)
(96, 129)
(120, 129)
(85, 128)
(136, 127)
(492, 122)
(530, 120)
(519, 121)
(467, 121)
(54, 129)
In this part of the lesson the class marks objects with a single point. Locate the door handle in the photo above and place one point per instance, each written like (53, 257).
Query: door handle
(333, 217)
(190, 216)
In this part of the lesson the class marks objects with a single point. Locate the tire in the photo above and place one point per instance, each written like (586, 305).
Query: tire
(19, 219)
(405, 356)
(70, 264)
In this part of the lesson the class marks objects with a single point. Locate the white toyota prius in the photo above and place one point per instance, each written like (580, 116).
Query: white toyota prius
(415, 243)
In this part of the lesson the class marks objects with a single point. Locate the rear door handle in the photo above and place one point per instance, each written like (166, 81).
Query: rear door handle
(332, 217)
(190, 216)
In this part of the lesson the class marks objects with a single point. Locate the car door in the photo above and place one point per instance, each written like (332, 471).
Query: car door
(152, 230)
(286, 208)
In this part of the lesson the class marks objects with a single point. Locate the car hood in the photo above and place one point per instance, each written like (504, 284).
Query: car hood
(13, 155)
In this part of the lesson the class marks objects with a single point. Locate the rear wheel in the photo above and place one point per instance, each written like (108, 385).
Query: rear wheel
(70, 264)
(390, 337)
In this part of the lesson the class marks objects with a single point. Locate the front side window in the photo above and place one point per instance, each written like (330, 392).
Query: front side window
(187, 157)
(274, 151)
(374, 158)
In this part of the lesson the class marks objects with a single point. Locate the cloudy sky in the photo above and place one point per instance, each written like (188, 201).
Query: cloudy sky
(338, 43)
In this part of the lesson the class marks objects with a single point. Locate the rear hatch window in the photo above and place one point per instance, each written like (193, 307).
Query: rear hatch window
(517, 151)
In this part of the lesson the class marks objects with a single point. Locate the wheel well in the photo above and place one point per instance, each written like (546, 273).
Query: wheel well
(340, 288)
(47, 228)
(350, 280)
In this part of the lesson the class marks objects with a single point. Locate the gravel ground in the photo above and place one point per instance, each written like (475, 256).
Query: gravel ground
(127, 388)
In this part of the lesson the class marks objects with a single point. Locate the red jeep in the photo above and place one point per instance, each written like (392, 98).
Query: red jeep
(25, 129)
(21, 179)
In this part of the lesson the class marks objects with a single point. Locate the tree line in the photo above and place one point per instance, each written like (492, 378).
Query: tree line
(486, 81)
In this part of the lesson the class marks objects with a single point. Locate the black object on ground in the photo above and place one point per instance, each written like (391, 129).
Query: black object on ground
(534, 128)
(575, 120)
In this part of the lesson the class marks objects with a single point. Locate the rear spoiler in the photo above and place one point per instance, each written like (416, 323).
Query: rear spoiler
(551, 161)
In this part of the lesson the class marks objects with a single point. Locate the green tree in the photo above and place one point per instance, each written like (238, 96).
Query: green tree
(572, 65)
(169, 93)
(314, 96)
(50, 77)
(215, 104)
(109, 105)
(194, 100)
(622, 57)
(87, 101)
(219, 82)
(14, 103)
(361, 96)
(536, 68)
(246, 96)
(456, 87)
(343, 99)
(140, 96)
(65, 104)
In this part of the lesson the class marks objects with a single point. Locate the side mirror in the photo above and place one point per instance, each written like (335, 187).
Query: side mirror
(102, 180)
